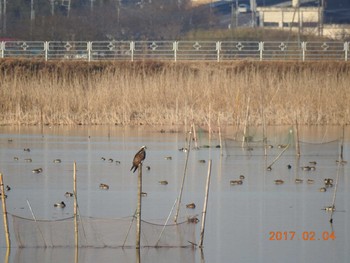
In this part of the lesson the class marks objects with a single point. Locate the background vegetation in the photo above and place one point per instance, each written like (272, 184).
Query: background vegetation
(157, 93)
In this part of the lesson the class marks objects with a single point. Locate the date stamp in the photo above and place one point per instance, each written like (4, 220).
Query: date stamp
(304, 235)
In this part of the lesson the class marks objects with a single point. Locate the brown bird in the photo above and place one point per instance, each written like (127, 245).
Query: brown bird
(139, 157)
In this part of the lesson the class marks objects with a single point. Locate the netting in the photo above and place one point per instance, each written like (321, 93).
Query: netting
(100, 232)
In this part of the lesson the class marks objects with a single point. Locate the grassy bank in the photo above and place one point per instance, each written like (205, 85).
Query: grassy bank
(167, 93)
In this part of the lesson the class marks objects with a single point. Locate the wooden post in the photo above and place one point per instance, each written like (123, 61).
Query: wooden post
(204, 213)
(220, 139)
(76, 236)
(183, 179)
(4, 212)
(138, 211)
(341, 157)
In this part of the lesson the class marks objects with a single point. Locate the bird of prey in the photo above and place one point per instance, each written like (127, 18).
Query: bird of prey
(139, 157)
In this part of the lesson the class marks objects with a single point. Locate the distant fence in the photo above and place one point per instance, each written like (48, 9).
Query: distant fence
(175, 50)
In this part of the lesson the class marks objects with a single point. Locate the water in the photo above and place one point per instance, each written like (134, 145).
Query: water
(257, 221)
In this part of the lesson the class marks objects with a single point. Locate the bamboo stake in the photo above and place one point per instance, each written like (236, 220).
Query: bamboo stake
(166, 222)
(7, 255)
(183, 179)
(194, 135)
(297, 148)
(341, 148)
(138, 212)
(127, 234)
(246, 124)
(334, 195)
(4, 213)
(41, 233)
(76, 236)
(204, 213)
(220, 139)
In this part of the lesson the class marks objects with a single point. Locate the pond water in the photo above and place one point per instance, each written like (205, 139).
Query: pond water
(257, 221)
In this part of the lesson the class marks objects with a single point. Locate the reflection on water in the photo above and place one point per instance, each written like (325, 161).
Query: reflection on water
(256, 221)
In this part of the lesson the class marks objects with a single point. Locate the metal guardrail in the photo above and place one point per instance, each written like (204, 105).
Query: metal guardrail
(175, 50)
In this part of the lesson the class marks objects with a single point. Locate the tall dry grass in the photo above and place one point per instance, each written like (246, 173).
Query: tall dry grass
(167, 93)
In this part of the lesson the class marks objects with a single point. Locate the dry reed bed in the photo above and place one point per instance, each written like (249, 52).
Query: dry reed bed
(168, 93)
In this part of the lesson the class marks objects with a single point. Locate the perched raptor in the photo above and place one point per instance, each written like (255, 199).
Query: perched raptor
(139, 157)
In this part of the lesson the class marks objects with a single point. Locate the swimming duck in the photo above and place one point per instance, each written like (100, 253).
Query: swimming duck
(163, 182)
(103, 159)
(279, 181)
(282, 146)
(313, 162)
(183, 150)
(298, 180)
(57, 161)
(61, 205)
(4, 195)
(329, 208)
(236, 182)
(168, 158)
(28, 160)
(104, 186)
(8, 188)
(143, 194)
(68, 194)
(289, 166)
(269, 168)
(201, 161)
(323, 189)
(26, 149)
(117, 162)
(310, 181)
(15, 158)
(242, 177)
(36, 171)
(194, 220)
(191, 205)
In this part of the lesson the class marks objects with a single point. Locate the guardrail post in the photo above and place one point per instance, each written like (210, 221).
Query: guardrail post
(218, 49)
(132, 48)
(346, 50)
(2, 47)
(303, 49)
(261, 49)
(89, 47)
(175, 50)
(46, 50)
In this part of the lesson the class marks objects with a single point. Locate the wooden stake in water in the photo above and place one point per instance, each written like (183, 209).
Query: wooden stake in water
(297, 148)
(4, 213)
(138, 211)
(244, 139)
(183, 179)
(204, 213)
(76, 236)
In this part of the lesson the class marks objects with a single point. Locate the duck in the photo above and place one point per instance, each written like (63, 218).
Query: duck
(242, 177)
(269, 168)
(15, 158)
(104, 186)
(103, 159)
(194, 220)
(183, 150)
(310, 181)
(38, 170)
(236, 182)
(191, 205)
(298, 180)
(201, 161)
(143, 194)
(110, 160)
(57, 161)
(26, 149)
(61, 205)
(28, 160)
(168, 158)
(163, 182)
(117, 162)
(323, 189)
(329, 208)
(313, 162)
(8, 188)
(4, 195)
(148, 168)
(289, 166)
(68, 194)
(279, 181)
(282, 146)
